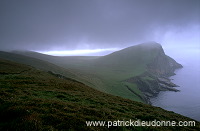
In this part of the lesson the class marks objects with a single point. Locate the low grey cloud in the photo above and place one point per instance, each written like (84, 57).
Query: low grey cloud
(90, 24)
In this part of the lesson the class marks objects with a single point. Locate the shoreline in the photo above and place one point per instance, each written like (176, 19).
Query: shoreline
(150, 86)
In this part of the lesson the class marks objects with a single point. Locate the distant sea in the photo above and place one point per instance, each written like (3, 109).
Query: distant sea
(187, 101)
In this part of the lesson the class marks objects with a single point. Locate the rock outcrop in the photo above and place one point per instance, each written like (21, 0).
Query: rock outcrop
(163, 65)
(150, 85)
(155, 79)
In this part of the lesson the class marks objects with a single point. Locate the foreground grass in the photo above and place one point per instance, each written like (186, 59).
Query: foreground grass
(34, 100)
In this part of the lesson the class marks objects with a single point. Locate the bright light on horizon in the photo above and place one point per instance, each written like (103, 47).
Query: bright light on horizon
(88, 52)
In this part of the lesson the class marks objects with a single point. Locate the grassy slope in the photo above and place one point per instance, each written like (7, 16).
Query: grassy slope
(37, 63)
(98, 77)
(35, 100)
(44, 62)
(124, 64)
(107, 73)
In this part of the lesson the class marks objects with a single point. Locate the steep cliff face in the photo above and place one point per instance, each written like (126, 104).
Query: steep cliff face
(155, 79)
(163, 65)
(147, 65)
(150, 85)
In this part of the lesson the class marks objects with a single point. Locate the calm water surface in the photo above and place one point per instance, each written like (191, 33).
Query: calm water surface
(187, 101)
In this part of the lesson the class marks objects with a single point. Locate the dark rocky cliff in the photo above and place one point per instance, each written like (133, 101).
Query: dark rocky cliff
(163, 65)
(155, 79)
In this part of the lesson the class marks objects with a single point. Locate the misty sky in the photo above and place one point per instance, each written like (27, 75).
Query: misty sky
(52, 25)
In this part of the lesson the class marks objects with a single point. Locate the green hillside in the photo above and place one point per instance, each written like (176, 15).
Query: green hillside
(37, 63)
(110, 73)
(32, 99)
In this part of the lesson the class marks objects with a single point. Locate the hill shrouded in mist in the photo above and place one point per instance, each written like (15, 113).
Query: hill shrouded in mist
(136, 72)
